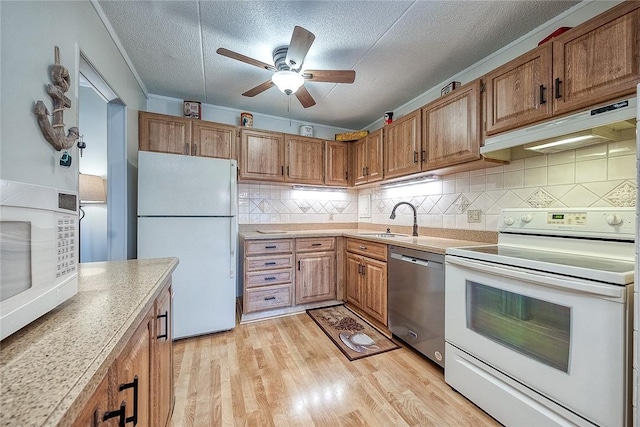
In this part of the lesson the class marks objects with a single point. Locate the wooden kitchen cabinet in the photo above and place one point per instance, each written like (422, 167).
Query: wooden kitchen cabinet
(590, 64)
(141, 377)
(368, 160)
(267, 274)
(262, 155)
(179, 135)
(305, 160)
(354, 287)
(336, 170)
(133, 374)
(366, 275)
(316, 269)
(402, 146)
(599, 60)
(164, 134)
(162, 359)
(519, 92)
(451, 128)
(213, 139)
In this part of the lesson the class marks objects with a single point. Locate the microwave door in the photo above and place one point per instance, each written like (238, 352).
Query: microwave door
(15, 258)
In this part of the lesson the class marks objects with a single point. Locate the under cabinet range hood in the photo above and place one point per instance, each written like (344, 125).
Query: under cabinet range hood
(609, 122)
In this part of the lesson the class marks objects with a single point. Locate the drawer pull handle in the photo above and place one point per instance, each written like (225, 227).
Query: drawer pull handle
(270, 278)
(120, 413)
(270, 263)
(269, 298)
(557, 88)
(134, 384)
(270, 247)
(362, 248)
(316, 244)
(166, 325)
(542, 100)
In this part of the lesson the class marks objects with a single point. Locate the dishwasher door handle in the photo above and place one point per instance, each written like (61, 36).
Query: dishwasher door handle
(417, 261)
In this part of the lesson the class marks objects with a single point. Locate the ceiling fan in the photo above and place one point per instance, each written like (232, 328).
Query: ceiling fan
(288, 74)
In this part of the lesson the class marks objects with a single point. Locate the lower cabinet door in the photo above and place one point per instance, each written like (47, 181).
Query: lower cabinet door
(315, 277)
(354, 279)
(133, 375)
(375, 290)
(162, 393)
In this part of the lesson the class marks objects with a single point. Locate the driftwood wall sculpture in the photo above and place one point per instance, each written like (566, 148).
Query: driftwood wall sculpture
(54, 133)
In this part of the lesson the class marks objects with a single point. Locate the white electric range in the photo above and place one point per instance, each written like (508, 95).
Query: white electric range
(538, 327)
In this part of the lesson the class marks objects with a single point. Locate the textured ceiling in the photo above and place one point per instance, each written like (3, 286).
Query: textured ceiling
(399, 49)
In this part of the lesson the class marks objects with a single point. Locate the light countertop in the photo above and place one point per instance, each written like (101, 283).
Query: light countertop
(422, 243)
(50, 368)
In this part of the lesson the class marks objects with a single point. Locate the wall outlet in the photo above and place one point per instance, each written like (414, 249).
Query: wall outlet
(473, 215)
(330, 217)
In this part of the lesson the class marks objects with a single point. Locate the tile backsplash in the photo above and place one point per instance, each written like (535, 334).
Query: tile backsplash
(279, 204)
(600, 175)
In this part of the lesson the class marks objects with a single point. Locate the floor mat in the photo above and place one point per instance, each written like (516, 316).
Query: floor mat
(354, 336)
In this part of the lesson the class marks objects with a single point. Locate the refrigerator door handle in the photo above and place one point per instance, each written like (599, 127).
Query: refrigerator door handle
(233, 241)
(233, 190)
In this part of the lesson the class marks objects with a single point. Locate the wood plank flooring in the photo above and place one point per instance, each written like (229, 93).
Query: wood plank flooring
(286, 372)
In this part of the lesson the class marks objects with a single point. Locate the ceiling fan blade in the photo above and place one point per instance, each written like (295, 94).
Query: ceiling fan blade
(305, 97)
(330, 76)
(240, 57)
(258, 89)
(301, 41)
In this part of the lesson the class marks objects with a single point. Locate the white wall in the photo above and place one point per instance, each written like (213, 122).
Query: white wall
(29, 30)
(231, 116)
(93, 122)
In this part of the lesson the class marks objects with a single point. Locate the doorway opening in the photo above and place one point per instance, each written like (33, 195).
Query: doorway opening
(102, 123)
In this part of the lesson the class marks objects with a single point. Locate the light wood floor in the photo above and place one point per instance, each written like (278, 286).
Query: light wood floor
(286, 372)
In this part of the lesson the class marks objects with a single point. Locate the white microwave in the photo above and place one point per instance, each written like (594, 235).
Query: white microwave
(38, 252)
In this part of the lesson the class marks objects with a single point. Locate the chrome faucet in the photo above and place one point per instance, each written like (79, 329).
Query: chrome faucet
(415, 215)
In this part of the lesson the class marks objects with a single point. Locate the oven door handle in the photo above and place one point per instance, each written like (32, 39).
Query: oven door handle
(542, 279)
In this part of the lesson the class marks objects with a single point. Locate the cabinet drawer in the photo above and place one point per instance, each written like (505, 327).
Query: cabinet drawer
(259, 247)
(269, 297)
(316, 244)
(370, 249)
(267, 278)
(269, 262)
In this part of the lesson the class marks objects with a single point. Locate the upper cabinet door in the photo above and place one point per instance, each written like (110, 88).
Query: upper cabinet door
(164, 134)
(519, 92)
(374, 156)
(451, 128)
(305, 160)
(359, 170)
(261, 155)
(599, 60)
(402, 140)
(213, 140)
(336, 163)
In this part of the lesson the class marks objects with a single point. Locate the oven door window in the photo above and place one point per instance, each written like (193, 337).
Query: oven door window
(535, 328)
(15, 258)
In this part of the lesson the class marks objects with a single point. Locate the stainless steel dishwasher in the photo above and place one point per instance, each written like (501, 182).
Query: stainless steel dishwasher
(416, 300)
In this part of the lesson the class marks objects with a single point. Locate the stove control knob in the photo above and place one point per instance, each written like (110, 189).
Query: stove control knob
(614, 219)
(527, 218)
(508, 220)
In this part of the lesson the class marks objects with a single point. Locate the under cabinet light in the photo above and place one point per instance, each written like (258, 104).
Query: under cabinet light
(574, 140)
(316, 188)
(412, 181)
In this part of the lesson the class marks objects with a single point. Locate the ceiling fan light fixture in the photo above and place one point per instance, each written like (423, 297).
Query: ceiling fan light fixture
(287, 81)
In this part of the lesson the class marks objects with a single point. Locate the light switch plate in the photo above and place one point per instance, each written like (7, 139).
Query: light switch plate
(473, 215)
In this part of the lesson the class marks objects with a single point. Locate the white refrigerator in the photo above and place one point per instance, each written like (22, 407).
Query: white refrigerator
(187, 208)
